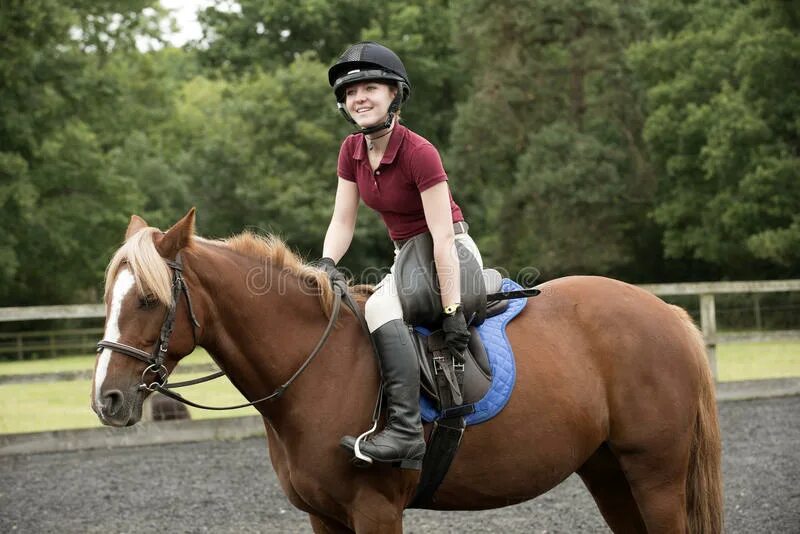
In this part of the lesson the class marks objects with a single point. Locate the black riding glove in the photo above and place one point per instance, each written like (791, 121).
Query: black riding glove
(336, 276)
(456, 335)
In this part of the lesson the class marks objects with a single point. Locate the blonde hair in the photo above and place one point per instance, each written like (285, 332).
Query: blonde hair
(151, 273)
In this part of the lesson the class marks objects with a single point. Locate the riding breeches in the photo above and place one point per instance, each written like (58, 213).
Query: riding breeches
(384, 304)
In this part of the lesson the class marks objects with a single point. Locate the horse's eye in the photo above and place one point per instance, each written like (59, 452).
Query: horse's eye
(147, 301)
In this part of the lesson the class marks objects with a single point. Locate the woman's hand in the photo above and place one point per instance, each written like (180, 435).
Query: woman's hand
(456, 335)
(336, 276)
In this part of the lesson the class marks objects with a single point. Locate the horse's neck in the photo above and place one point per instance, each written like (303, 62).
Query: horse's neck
(260, 334)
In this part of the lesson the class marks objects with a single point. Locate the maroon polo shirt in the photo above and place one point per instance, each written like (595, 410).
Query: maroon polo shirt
(410, 165)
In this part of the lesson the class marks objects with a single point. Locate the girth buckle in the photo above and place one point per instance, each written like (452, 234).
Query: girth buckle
(441, 362)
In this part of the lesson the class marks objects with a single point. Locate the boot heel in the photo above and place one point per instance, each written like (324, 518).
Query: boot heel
(408, 464)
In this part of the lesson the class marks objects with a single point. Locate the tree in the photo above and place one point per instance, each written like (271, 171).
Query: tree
(546, 149)
(59, 203)
(722, 129)
(265, 34)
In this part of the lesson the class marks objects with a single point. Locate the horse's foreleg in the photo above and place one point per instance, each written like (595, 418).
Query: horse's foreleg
(322, 525)
(374, 513)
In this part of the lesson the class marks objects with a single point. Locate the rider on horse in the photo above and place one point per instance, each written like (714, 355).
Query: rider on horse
(399, 174)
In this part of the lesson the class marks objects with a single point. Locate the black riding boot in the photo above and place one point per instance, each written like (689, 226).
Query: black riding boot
(402, 439)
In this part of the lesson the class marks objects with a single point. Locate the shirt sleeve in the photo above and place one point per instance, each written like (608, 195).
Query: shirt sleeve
(426, 167)
(344, 168)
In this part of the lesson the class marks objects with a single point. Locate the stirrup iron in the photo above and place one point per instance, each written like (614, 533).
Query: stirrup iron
(360, 459)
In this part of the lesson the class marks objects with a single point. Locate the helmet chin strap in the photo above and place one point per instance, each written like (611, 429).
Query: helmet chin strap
(378, 127)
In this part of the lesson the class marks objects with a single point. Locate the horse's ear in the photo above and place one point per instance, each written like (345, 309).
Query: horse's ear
(136, 224)
(177, 237)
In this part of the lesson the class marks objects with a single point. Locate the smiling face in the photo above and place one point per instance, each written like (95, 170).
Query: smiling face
(368, 102)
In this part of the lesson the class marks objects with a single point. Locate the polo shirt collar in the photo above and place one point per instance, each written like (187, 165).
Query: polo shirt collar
(395, 140)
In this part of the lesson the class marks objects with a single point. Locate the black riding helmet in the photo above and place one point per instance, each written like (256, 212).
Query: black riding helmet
(364, 61)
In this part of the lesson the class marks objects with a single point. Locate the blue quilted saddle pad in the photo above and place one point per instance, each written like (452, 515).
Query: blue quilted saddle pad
(501, 361)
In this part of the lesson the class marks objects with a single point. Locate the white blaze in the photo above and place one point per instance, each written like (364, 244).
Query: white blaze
(122, 285)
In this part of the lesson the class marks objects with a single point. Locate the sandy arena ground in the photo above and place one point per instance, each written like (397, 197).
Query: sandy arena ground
(230, 487)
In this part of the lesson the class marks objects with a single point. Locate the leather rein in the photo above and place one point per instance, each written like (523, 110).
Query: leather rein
(156, 360)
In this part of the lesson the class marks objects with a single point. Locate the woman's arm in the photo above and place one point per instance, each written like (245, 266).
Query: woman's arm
(343, 221)
(436, 204)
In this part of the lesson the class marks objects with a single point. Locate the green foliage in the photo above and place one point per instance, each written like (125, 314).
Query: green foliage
(653, 140)
(723, 99)
(267, 34)
(59, 204)
(546, 151)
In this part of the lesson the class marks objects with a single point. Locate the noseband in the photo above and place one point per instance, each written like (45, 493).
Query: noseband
(156, 360)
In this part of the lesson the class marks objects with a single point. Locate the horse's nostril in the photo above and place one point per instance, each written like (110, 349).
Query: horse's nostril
(113, 401)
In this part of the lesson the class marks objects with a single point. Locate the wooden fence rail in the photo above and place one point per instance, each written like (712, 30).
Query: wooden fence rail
(50, 342)
(708, 315)
(705, 291)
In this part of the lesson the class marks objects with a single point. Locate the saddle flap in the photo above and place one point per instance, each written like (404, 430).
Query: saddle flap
(418, 284)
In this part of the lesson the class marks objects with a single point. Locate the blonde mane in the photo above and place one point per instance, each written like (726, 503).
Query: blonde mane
(274, 250)
(153, 276)
(149, 270)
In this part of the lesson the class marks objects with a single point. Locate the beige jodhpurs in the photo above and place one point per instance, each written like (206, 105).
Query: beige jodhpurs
(384, 304)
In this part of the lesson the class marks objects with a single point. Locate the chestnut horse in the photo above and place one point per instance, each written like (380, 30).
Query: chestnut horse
(612, 383)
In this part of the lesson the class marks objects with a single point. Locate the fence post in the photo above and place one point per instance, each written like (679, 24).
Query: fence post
(708, 323)
(757, 309)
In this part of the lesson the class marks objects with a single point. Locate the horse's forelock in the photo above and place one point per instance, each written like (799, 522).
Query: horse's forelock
(149, 270)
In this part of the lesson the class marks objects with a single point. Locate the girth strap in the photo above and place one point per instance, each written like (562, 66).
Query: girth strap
(442, 448)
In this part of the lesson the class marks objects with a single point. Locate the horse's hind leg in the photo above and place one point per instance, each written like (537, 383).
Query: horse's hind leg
(605, 480)
(657, 480)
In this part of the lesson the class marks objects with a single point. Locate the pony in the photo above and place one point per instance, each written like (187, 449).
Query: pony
(612, 384)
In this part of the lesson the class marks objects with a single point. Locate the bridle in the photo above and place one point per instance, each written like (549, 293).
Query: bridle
(156, 360)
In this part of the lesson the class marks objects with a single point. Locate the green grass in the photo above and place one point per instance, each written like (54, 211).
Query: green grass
(38, 407)
(753, 361)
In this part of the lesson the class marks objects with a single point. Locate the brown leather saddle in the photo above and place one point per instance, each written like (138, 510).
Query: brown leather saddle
(455, 387)
(449, 383)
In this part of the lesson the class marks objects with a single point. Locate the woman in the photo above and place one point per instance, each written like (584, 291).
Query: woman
(400, 175)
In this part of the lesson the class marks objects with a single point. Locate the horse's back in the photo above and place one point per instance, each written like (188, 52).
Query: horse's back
(618, 351)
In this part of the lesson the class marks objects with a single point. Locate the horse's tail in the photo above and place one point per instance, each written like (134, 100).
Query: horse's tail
(704, 480)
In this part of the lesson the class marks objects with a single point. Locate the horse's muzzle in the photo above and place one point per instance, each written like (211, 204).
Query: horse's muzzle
(114, 409)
